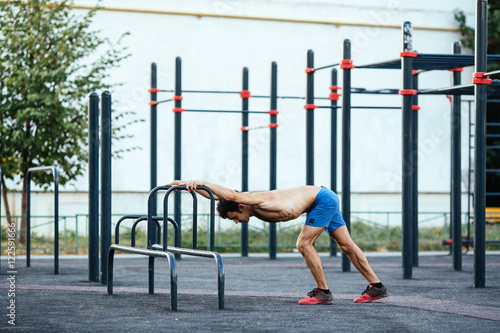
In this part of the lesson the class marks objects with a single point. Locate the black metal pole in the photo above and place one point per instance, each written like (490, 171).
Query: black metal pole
(407, 160)
(93, 187)
(333, 145)
(273, 152)
(346, 146)
(28, 220)
(244, 158)
(56, 220)
(414, 134)
(1, 220)
(310, 119)
(178, 145)
(456, 169)
(480, 146)
(153, 137)
(105, 183)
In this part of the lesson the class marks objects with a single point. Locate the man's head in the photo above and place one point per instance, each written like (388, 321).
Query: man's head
(234, 211)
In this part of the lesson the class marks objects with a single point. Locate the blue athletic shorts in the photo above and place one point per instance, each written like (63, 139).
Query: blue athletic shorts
(325, 211)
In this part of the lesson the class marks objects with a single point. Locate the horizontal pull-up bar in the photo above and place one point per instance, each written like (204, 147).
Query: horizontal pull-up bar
(226, 111)
(325, 67)
(361, 107)
(492, 73)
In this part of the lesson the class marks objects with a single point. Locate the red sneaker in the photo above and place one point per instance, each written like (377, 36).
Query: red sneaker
(372, 294)
(317, 296)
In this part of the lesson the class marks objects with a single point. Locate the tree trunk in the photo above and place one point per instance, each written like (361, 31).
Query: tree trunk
(24, 206)
(6, 202)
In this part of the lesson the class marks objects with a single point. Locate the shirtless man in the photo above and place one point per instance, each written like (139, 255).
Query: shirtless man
(322, 206)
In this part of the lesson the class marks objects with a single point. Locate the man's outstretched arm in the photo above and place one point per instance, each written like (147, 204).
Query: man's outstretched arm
(247, 198)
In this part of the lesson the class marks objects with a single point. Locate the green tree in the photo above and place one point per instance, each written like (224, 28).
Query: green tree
(50, 60)
(493, 109)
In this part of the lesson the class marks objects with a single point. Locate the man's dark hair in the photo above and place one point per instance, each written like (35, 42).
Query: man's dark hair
(225, 206)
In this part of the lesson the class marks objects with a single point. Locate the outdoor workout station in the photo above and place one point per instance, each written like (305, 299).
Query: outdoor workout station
(484, 87)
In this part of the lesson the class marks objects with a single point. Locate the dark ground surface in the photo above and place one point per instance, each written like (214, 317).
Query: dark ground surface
(261, 296)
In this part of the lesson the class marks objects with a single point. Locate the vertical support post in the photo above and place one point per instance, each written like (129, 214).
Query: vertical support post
(244, 158)
(407, 160)
(456, 169)
(310, 120)
(273, 151)
(178, 146)
(153, 132)
(333, 145)
(1, 220)
(480, 146)
(414, 149)
(105, 183)
(28, 220)
(56, 220)
(346, 147)
(93, 231)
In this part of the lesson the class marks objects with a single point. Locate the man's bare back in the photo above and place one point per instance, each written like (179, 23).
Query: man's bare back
(287, 204)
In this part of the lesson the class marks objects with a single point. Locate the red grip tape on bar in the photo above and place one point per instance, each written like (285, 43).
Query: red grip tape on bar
(346, 64)
(244, 128)
(154, 90)
(335, 87)
(415, 107)
(178, 110)
(310, 106)
(456, 69)
(273, 125)
(245, 94)
(153, 103)
(334, 97)
(415, 72)
(310, 70)
(479, 78)
(177, 98)
(408, 54)
(407, 92)
(273, 112)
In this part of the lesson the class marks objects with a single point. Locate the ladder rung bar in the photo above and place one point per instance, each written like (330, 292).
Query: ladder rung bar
(492, 170)
(492, 147)
(493, 135)
(493, 193)
(492, 124)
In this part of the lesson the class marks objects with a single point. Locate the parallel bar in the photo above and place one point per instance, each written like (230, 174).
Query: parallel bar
(407, 160)
(456, 169)
(346, 149)
(178, 145)
(93, 232)
(333, 149)
(310, 121)
(153, 135)
(273, 153)
(244, 159)
(106, 131)
(55, 172)
(151, 254)
(480, 147)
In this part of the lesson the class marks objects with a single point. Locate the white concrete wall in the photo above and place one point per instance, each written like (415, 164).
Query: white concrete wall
(215, 49)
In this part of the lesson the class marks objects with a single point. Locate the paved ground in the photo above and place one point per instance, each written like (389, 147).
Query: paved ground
(261, 296)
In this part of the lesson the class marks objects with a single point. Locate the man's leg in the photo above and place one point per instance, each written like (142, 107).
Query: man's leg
(346, 244)
(305, 246)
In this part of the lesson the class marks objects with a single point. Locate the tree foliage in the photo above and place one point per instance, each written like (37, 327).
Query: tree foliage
(50, 60)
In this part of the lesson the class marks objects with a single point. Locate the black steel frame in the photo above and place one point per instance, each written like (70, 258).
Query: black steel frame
(56, 214)
(156, 250)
